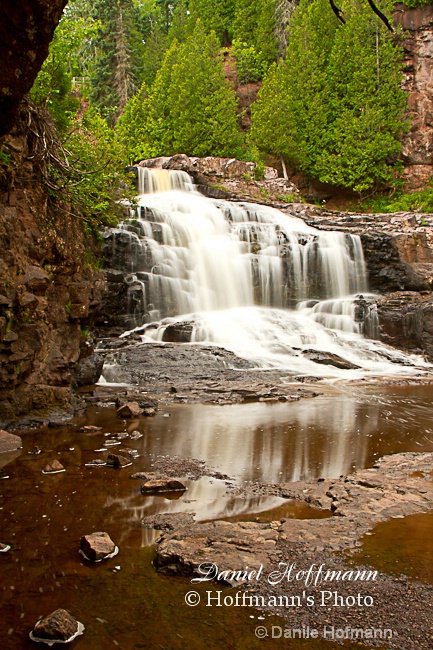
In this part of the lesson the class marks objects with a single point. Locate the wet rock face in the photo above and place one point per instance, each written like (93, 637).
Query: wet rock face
(25, 34)
(48, 295)
(407, 321)
(58, 626)
(398, 251)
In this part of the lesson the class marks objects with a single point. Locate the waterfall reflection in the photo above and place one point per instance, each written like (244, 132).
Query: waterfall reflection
(255, 443)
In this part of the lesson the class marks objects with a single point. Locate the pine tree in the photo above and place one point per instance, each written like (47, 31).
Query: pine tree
(117, 69)
(202, 105)
(215, 15)
(367, 103)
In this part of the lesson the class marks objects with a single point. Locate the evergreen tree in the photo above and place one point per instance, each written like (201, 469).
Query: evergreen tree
(337, 103)
(190, 107)
(254, 24)
(366, 101)
(117, 69)
(215, 15)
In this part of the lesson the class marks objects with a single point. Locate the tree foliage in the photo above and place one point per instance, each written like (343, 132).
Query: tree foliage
(190, 107)
(116, 72)
(335, 108)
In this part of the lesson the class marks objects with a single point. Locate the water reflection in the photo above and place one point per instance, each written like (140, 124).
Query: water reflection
(321, 437)
(43, 517)
(272, 443)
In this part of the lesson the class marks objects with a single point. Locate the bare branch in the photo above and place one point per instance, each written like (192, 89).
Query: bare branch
(382, 16)
(337, 12)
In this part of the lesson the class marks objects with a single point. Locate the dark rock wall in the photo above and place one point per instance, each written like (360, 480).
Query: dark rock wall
(48, 294)
(26, 30)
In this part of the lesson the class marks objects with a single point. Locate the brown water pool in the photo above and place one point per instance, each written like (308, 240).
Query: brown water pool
(42, 516)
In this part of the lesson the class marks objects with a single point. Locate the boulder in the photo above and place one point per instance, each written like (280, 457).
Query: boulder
(9, 442)
(149, 411)
(143, 401)
(97, 546)
(178, 332)
(129, 410)
(88, 370)
(162, 485)
(58, 626)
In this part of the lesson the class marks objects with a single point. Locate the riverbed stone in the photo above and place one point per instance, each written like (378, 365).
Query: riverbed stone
(58, 626)
(53, 467)
(117, 461)
(129, 410)
(162, 485)
(9, 442)
(97, 546)
(359, 502)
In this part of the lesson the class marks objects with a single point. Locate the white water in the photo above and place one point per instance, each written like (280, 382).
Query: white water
(252, 279)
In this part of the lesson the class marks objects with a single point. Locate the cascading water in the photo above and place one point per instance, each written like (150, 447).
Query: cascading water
(252, 279)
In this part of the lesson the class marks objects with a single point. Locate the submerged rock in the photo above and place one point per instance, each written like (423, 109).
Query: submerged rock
(162, 485)
(97, 462)
(90, 428)
(59, 626)
(97, 546)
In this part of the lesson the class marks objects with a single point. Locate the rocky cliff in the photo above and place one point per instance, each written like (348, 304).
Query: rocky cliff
(418, 82)
(48, 292)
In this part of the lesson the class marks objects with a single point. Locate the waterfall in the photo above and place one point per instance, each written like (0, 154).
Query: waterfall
(248, 277)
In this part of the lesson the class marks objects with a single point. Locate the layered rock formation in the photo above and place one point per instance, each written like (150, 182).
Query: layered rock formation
(418, 82)
(47, 292)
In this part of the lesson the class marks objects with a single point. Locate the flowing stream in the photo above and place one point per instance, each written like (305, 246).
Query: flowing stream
(253, 280)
